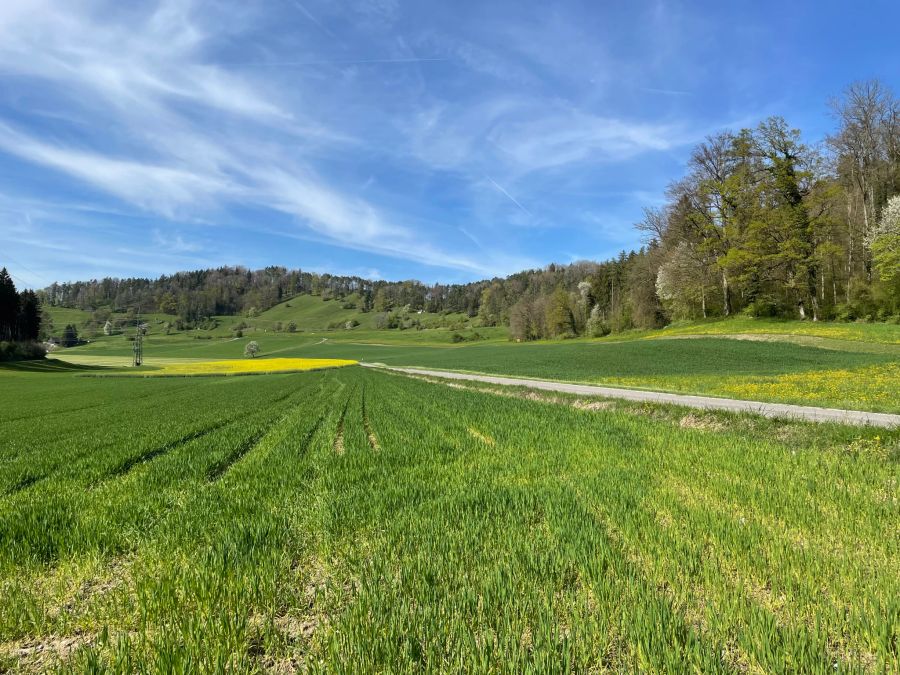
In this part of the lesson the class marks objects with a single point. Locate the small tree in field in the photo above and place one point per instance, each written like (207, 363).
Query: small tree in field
(69, 336)
(252, 349)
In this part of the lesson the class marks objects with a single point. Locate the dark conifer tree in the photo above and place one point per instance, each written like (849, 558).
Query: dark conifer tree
(29, 319)
(9, 306)
(69, 336)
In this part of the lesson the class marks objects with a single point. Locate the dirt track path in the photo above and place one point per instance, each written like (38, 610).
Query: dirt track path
(805, 412)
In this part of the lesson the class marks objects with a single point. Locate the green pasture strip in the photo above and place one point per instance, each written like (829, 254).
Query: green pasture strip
(842, 372)
(48, 365)
(845, 345)
(280, 371)
(887, 333)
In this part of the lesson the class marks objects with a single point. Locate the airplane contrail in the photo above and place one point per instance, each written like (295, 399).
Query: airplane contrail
(671, 92)
(509, 196)
(329, 62)
(309, 16)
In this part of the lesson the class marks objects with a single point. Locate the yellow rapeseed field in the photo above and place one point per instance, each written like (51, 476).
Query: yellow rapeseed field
(247, 366)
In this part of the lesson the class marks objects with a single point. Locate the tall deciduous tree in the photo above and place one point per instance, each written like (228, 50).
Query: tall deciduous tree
(790, 166)
(560, 320)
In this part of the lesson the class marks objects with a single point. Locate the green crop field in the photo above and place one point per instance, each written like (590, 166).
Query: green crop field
(351, 520)
(855, 366)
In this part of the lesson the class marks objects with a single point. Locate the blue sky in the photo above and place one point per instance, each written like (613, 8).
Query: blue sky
(434, 140)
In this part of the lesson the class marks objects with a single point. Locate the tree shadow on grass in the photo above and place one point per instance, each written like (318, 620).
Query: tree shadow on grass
(48, 366)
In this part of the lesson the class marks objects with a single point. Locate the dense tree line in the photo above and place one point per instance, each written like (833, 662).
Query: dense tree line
(762, 224)
(20, 320)
(765, 223)
(195, 296)
(189, 295)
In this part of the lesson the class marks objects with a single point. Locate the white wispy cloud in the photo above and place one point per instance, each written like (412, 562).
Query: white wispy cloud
(475, 57)
(157, 187)
(446, 137)
(146, 78)
(570, 136)
(175, 242)
(518, 135)
(139, 66)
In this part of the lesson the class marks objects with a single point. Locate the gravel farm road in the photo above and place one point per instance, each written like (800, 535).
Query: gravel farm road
(810, 413)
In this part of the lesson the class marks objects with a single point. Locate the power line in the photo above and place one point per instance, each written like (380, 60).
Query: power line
(20, 279)
(16, 262)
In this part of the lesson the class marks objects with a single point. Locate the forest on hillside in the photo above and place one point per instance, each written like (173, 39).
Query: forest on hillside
(763, 223)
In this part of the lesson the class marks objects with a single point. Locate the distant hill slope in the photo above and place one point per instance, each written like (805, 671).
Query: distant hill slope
(311, 312)
(307, 312)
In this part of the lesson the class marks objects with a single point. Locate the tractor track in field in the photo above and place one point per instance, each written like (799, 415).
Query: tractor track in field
(309, 435)
(130, 463)
(370, 433)
(23, 483)
(148, 455)
(782, 410)
(338, 444)
(217, 470)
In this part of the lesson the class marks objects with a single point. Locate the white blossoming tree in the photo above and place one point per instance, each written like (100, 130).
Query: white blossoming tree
(252, 349)
(681, 282)
(885, 241)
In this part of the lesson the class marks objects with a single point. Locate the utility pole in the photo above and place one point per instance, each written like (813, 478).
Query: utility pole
(138, 348)
(138, 345)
